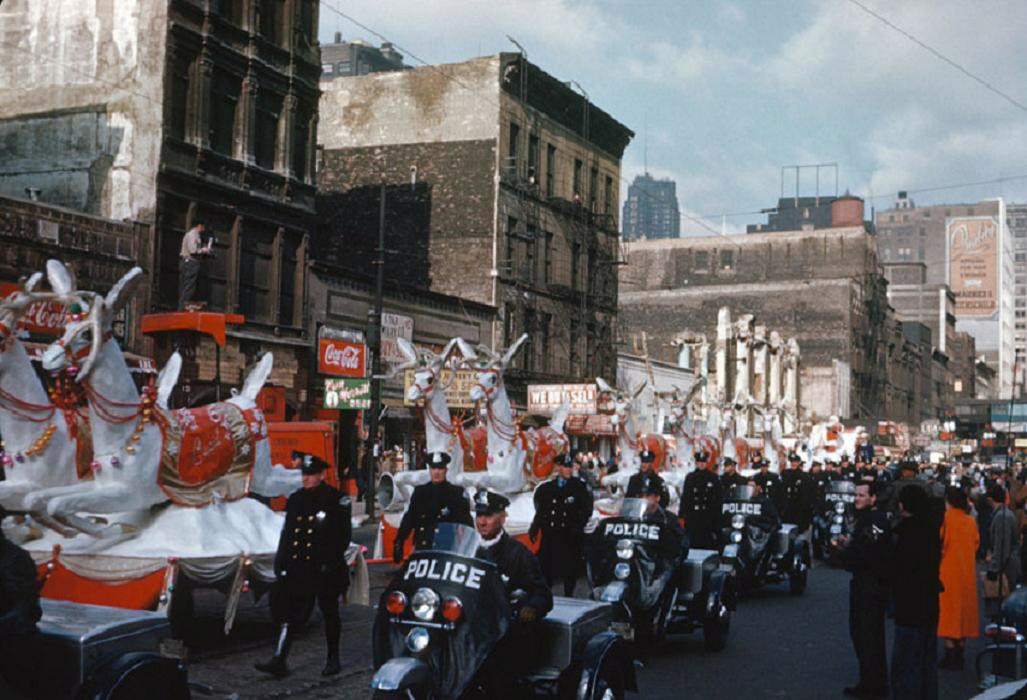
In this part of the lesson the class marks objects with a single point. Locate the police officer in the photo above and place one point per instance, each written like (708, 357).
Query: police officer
(770, 483)
(310, 564)
(519, 570)
(799, 494)
(634, 490)
(436, 502)
(673, 542)
(867, 554)
(847, 470)
(701, 499)
(730, 476)
(562, 507)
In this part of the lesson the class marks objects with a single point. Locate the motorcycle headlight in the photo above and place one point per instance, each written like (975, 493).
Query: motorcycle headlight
(417, 640)
(838, 519)
(622, 570)
(736, 536)
(425, 604)
(738, 521)
(625, 549)
(839, 507)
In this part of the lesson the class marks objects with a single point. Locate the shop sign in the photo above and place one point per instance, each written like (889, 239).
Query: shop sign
(547, 398)
(347, 393)
(1020, 442)
(341, 358)
(395, 326)
(44, 317)
(458, 388)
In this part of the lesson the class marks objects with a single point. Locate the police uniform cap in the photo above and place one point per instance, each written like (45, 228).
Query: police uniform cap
(438, 460)
(907, 465)
(793, 457)
(488, 502)
(729, 460)
(647, 456)
(563, 460)
(297, 454)
(757, 458)
(702, 455)
(312, 465)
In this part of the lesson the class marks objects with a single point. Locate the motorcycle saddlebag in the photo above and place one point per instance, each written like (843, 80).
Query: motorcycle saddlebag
(694, 571)
(780, 540)
(567, 626)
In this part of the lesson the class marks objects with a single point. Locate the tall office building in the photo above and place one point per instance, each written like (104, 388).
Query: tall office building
(651, 209)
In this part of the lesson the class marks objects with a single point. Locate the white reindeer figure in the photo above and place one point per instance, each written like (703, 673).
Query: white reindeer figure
(513, 454)
(440, 434)
(629, 441)
(40, 449)
(773, 446)
(134, 439)
(682, 424)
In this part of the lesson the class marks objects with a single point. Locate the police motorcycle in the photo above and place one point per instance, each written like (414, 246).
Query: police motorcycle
(655, 593)
(759, 548)
(444, 612)
(837, 517)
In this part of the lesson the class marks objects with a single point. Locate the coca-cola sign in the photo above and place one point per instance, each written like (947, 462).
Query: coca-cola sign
(43, 317)
(341, 358)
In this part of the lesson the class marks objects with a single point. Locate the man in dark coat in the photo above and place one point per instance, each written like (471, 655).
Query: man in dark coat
(868, 555)
(436, 502)
(700, 504)
(847, 470)
(310, 565)
(634, 490)
(770, 483)
(519, 570)
(915, 586)
(798, 490)
(563, 506)
(730, 477)
(19, 612)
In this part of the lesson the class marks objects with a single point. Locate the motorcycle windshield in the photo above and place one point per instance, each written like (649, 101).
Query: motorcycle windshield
(632, 508)
(634, 553)
(429, 582)
(456, 538)
(839, 492)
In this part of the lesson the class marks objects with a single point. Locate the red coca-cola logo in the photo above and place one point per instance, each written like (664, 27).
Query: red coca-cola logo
(45, 317)
(340, 358)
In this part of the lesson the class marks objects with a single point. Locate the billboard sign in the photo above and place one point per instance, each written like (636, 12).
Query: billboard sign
(348, 393)
(341, 358)
(546, 398)
(458, 388)
(973, 264)
(395, 326)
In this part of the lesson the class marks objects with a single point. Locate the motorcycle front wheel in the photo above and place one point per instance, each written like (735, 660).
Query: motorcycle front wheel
(609, 683)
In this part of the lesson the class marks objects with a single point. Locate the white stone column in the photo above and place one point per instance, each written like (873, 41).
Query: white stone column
(775, 350)
(791, 380)
(723, 386)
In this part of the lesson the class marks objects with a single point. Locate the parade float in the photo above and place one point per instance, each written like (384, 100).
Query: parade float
(162, 506)
(515, 460)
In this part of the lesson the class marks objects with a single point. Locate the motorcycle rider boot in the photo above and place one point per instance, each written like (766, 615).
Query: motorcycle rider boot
(276, 665)
(333, 630)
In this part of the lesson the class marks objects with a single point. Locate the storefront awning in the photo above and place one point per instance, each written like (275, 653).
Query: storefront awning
(596, 424)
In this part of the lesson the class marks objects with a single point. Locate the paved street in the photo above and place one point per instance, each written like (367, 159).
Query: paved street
(780, 647)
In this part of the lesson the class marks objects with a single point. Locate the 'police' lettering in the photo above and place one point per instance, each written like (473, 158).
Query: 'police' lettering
(744, 508)
(456, 572)
(639, 530)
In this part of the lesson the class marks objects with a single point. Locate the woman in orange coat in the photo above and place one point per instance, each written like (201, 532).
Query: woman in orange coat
(958, 599)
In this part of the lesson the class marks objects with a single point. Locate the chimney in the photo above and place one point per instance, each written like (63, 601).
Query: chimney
(338, 37)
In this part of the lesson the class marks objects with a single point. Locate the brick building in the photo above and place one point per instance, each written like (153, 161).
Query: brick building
(518, 175)
(823, 287)
(171, 113)
(345, 58)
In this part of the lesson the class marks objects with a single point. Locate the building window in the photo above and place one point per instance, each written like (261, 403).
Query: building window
(307, 29)
(511, 148)
(255, 271)
(608, 196)
(289, 276)
(572, 348)
(969, 211)
(891, 218)
(181, 81)
(345, 67)
(590, 350)
(224, 100)
(545, 322)
(269, 108)
(577, 179)
(272, 21)
(927, 213)
(575, 264)
(528, 352)
(230, 10)
(511, 245)
(593, 189)
(1020, 257)
(547, 260)
(702, 261)
(301, 142)
(533, 146)
(530, 249)
(550, 170)
(727, 260)
(327, 68)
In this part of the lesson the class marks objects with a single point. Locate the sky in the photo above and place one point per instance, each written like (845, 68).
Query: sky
(722, 94)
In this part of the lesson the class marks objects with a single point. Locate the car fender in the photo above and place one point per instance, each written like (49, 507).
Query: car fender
(401, 673)
(605, 647)
(105, 681)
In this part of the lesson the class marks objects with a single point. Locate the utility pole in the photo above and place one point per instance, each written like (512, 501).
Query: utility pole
(374, 341)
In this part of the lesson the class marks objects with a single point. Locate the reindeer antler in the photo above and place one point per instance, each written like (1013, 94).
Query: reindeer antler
(96, 324)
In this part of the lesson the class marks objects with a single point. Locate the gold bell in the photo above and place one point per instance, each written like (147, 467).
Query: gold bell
(129, 449)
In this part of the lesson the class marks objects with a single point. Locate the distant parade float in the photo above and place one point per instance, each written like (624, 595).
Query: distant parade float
(127, 502)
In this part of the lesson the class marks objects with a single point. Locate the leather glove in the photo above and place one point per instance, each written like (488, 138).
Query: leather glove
(533, 534)
(397, 551)
(527, 614)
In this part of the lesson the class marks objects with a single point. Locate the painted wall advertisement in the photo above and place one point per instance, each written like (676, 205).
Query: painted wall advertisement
(973, 258)
(458, 388)
(395, 326)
